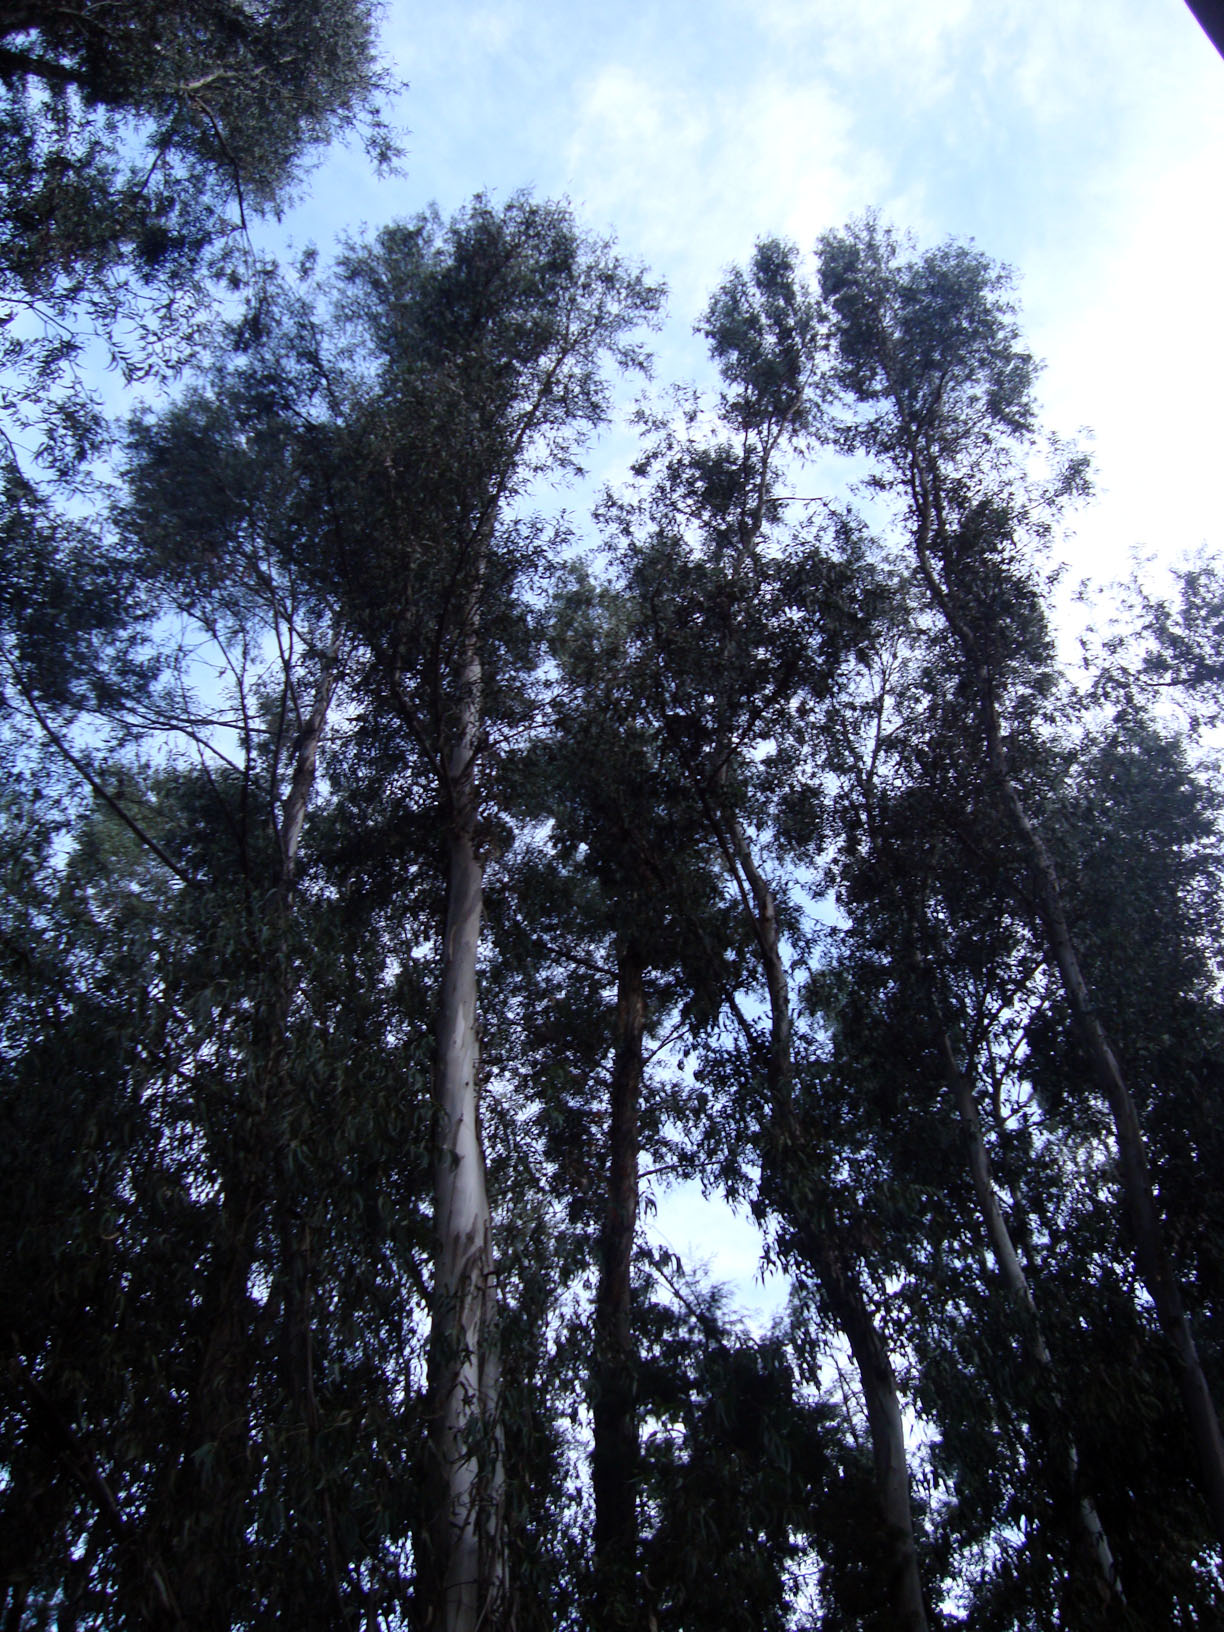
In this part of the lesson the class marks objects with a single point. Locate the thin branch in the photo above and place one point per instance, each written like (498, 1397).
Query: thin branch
(100, 792)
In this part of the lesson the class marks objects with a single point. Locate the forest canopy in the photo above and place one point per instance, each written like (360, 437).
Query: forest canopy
(404, 885)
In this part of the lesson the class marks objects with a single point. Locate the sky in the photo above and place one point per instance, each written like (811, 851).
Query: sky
(1081, 143)
(1089, 156)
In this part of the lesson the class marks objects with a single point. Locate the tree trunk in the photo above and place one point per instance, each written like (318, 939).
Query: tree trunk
(297, 1336)
(1016, 1282)
(614, 1460)
(879, 1384)
(839, 1281)
(1151, 1254)
(463, 1297)
(257, 1184)
(297, 1305)
(464, 1569)
(298, 1293)
(1146, 1228)
(301, 784)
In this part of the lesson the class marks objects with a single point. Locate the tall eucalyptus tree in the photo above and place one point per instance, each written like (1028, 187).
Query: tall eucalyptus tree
(448, 367)
(932, 976)
(938, 391)
(749, 622)
(646, 889)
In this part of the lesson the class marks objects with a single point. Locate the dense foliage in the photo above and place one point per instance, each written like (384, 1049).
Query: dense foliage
(403, 890)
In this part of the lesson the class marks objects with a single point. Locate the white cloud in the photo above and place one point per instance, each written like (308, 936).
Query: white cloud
(1141, 362)
(874, 37)
(1087, 151)
(693, 175)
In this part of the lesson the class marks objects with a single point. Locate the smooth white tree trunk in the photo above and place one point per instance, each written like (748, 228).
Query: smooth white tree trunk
(463, 1282)
(465, 1565)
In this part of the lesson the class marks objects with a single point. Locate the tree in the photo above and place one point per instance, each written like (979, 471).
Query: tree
(456, 363)
(218, 106)
(336, 1066)
(643, 887)
(220, 1377)
(134, 140)
(939, 390)
(748, 626)
(931, 978)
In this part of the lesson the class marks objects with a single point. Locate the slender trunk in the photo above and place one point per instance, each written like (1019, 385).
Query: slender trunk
(1151, 1253)
(298, 1289)
(879, 1384)
(1150, 1250)
(765, 917)
(463, 1277)
(614, 1460)
(260, 1183)
(297, 1328)
(465, 1464)
(301, 783)
(997, 1233)
(1016, 1282)
(218, 1472)
(838, 1279)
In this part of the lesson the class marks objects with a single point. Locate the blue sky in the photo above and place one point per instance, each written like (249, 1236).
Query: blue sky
(1082, 143)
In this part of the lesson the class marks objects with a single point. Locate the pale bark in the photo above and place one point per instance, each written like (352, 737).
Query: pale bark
(465, 1463)
(879, 1385)
(463, 1278)
(301, 783)
(1016, 1282)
